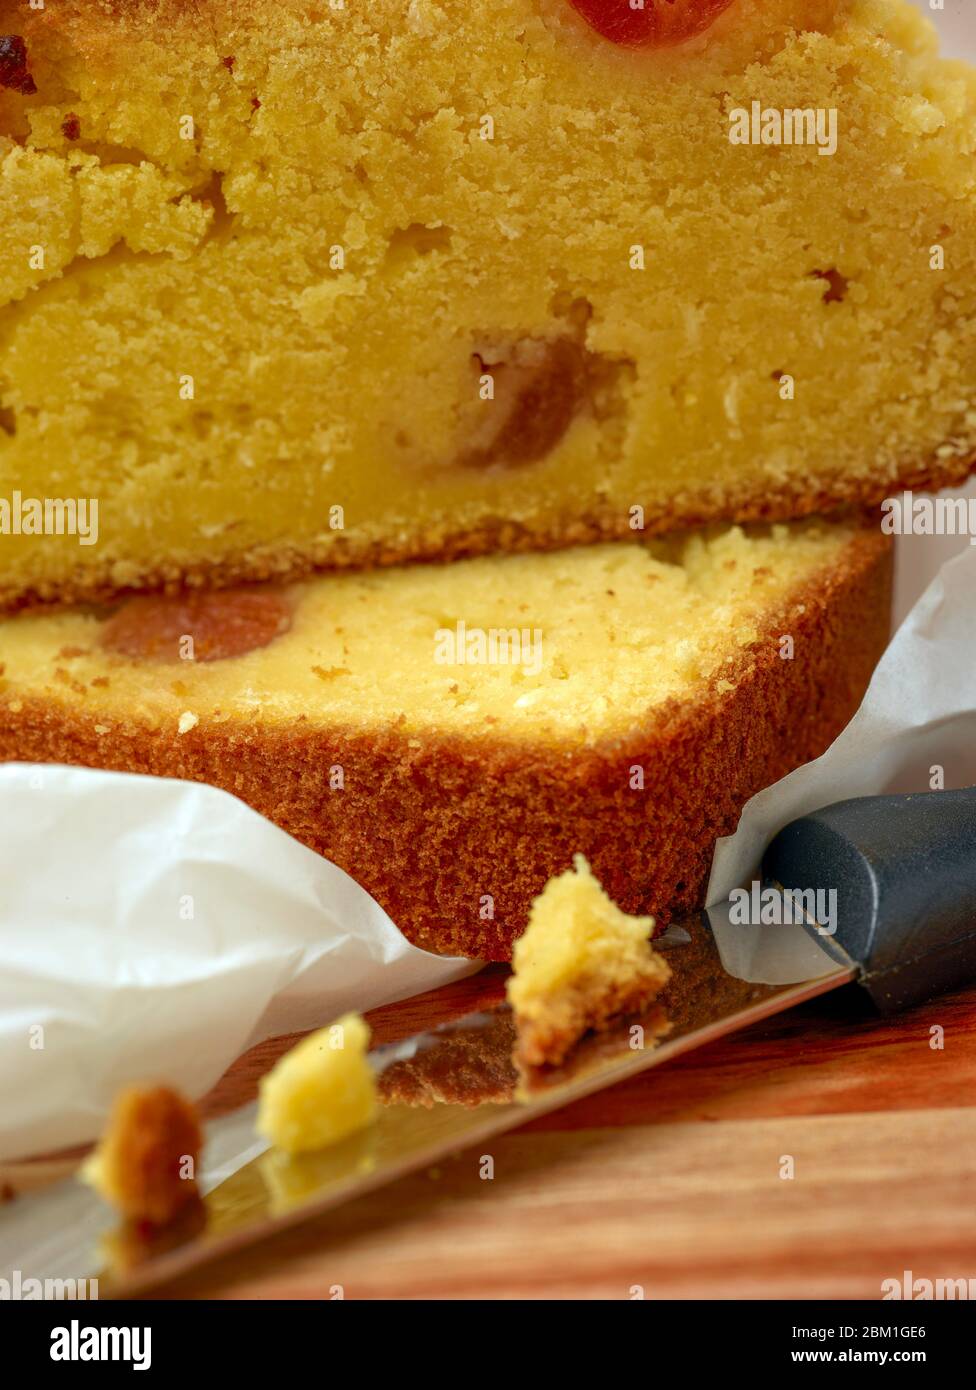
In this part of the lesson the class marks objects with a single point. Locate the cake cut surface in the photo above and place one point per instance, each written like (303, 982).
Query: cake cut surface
(284, 288)
(452, 735)
(580, 966)
(321, 1091)
(567, 648)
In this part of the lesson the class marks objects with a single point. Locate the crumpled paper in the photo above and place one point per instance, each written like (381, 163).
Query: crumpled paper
(156, 929)
(919, 715)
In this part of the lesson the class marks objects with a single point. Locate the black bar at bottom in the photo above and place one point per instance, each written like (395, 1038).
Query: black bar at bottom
(302, 1343)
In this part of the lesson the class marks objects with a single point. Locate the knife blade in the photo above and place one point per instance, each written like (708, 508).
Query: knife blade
(275, 1190)
(59, 1232)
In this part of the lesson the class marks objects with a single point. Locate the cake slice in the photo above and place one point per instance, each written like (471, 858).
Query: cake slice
(286, 287)
(453, 735)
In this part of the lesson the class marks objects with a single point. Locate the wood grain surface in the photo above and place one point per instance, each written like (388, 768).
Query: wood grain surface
(670, 1185)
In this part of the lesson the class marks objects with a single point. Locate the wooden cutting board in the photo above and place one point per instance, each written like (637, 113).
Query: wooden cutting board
(814, 1155)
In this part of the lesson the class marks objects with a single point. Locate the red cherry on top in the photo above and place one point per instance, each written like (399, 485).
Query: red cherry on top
(650, 23)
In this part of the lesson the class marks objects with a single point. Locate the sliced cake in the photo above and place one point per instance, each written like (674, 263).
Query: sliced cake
(287, 286)
(453, 735)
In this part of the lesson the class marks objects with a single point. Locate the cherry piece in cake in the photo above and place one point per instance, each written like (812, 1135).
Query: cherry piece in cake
(228, 622)
(657, 24)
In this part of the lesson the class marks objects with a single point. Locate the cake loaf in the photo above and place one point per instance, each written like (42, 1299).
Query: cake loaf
(453, 735)
(285, 287)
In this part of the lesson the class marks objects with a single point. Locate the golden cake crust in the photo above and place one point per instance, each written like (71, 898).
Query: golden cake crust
(465, 1064)
(547, 1040)
(510, 816)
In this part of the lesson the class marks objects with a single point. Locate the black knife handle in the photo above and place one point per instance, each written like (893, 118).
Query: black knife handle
(904, 871)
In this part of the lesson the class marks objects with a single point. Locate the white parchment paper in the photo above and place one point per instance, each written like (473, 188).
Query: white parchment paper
(155, 929)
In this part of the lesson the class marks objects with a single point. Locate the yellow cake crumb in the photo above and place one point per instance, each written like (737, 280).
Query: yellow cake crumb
(580, 964)
(321, 1091)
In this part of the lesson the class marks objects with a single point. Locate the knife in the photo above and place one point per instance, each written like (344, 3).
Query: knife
(902, 872)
